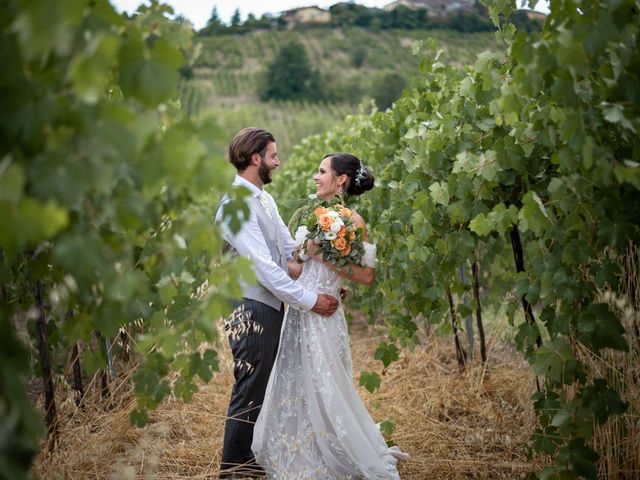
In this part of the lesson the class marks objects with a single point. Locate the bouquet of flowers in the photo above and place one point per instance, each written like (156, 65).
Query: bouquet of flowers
(334, 230)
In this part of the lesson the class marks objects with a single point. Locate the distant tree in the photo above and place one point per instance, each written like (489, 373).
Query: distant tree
(214, 19)
(214, 24)
(471, 21)
(266, 21)
(236, 23)
(235, 19)
(366, 17)
(404, 17)
(387, 88)
(181, 19)
(521, 21)
(358, 54)
(350, 90)
(346, 13)
(290, 76)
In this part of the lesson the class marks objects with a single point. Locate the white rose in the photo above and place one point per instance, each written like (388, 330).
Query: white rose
(330, 235)
(336, 225)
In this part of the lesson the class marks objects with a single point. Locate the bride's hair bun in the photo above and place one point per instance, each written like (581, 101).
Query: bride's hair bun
(360, 176)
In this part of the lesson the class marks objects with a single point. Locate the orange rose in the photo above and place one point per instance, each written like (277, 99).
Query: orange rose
(320, 211)
(343, 232)
(340, 243)
(345, 212)
(345, 251)
(325, 222)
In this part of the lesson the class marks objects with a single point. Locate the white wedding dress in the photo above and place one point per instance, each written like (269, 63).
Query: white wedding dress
(313, 424)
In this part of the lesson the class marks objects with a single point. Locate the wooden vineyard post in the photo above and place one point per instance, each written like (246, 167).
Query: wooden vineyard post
(77, 375)
(468, 320)
(45, 365)
(104, 373)
(461, 355)
(632, 280)
(476, 295)
(519, 260)
(124, 342)
(518, 256)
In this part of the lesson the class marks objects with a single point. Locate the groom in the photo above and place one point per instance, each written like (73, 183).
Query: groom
(254, 331)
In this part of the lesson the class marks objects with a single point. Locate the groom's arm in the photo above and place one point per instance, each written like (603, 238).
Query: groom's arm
(249, 242)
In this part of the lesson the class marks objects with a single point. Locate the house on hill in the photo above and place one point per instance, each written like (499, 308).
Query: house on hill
(302, 15)
(435, 8)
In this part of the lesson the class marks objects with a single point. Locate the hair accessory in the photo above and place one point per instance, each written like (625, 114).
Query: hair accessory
(360, 174)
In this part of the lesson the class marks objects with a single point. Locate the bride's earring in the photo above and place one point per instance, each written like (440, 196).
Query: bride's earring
(340, 190)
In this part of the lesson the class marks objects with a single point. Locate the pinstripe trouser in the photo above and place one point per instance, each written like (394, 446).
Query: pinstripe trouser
(254, 353)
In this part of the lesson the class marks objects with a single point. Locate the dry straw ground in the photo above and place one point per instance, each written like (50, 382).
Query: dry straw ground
(454, 425)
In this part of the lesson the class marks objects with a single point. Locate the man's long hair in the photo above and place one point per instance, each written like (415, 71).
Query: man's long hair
(248, 141)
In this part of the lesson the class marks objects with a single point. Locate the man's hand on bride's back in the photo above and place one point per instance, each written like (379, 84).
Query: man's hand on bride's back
(325, 305)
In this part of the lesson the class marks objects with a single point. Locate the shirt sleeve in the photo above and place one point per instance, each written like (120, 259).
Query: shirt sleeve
(369, 258)
(249, 242)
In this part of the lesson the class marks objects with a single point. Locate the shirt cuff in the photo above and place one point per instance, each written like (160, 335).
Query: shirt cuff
(308, 300)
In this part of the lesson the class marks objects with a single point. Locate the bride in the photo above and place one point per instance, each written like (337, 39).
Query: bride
(313, 424)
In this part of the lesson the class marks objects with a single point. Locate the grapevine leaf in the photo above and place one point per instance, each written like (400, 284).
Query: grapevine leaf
(388, 426)
(480, 225)
(386, 353)
(580, 457)
(139, 417)
(533, 214)
(545, 440)
(369, 380)
(12, 182)
(602, 400)
(552, 359)
(600, 328)
(185, 389)
(440, 193)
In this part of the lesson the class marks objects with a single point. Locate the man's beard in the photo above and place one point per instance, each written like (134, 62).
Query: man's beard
(264, 172)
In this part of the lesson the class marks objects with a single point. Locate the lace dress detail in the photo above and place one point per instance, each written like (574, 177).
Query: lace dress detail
(313, 424)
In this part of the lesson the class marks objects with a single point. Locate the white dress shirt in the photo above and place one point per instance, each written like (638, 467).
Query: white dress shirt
(250, 243)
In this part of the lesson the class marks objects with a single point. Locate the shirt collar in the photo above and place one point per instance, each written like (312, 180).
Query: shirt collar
(239, 181)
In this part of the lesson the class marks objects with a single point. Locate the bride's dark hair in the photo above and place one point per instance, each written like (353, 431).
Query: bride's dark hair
(360, 177)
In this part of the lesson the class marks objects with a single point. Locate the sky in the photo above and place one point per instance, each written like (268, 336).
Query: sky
(199, 11)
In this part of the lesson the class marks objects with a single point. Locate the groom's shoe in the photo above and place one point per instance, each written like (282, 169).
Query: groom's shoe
(244, 471)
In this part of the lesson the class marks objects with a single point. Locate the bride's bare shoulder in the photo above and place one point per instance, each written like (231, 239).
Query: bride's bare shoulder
(359, 221)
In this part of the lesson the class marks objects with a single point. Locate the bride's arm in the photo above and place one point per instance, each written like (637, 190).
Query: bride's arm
(351, 271)
(294, 265)
(356, 273)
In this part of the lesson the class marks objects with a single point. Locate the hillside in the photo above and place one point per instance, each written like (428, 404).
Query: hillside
(227, 72)
(229, 65)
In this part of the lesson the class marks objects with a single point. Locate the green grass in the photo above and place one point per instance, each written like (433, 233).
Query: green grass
(290, 122)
